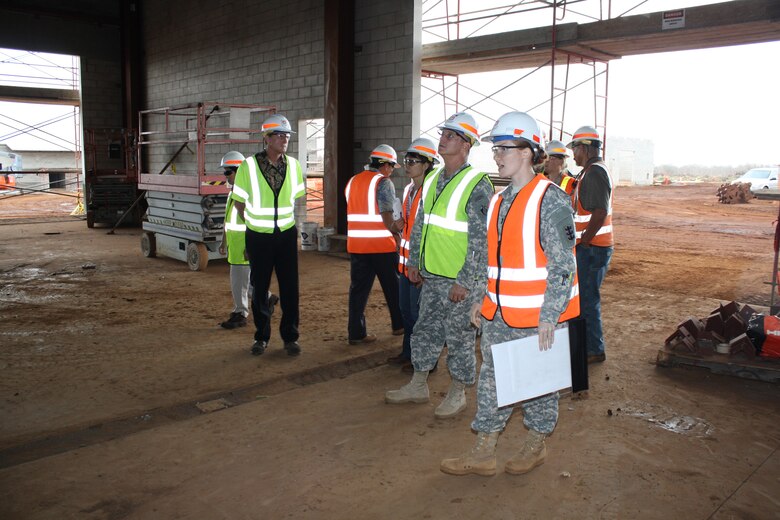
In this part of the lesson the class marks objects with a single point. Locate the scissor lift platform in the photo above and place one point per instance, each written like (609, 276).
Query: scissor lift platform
(184, 227)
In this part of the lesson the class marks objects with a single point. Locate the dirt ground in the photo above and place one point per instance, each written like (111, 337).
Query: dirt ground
(120, 397)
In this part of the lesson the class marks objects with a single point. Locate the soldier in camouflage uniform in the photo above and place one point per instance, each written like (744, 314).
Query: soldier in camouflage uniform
(454, 207)
(513, 309)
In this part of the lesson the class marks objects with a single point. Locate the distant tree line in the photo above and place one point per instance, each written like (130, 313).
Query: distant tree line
(698, 171)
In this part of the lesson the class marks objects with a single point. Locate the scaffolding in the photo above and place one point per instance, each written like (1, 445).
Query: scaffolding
(568, 71)
(40, 71)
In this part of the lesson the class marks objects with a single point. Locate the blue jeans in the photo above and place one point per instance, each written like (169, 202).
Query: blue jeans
(592, 264)
(409, 297)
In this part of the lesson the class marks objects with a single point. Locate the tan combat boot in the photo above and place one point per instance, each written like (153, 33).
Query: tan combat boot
(453, 403)
(415, 391)
(532, 454)
(481, 460)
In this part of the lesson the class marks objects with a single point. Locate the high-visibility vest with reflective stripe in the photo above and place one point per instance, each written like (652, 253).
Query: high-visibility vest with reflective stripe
(235, 234)
(604, 237)
(445, 225)
(517, 265)
(567, 184)
(366, 232)
(403, 256)
(266, 210)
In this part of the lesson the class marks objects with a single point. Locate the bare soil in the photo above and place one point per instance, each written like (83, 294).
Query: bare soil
(120, 397)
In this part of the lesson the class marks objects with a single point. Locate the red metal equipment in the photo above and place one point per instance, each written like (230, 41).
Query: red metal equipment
(179, 147)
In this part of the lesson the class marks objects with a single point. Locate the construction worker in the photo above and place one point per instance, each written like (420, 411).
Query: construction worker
(419, 161)
(593, 207)
(7, 180)
(447, 253)
(266, 187)
(233, 245)
(555, 166)
(531, 289)
(371, 242)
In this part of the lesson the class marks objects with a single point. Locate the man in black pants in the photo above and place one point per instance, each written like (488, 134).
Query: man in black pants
(372, 235)
(265, 190)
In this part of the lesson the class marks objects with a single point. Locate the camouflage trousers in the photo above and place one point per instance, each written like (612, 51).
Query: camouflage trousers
(442, 321)
(540, 414)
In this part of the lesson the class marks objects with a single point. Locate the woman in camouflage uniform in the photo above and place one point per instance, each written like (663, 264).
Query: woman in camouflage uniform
(531, 290)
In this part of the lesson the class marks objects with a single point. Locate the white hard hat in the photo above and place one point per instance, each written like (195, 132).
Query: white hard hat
(385, 153)
(276, 123)
(424, 147)
(556, 147)
(516, 125)
(585, 135)
(464, 124)
(231, 160)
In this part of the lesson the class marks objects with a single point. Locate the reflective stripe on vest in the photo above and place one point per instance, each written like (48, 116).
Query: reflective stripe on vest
(567, 184)
(517, 266)
(366, 231)
(445, 222)
(604, 236)
(235, 234)
(264, 210)
(403, 257)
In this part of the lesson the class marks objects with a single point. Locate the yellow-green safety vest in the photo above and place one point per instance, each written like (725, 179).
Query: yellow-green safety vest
(264, 209)
(235, 234)
(445, 223)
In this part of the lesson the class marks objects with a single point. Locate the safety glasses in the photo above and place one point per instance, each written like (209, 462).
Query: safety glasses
(411, 162)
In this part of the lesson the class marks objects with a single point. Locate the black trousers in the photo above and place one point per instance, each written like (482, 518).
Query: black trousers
(363, 269)
(269, 252)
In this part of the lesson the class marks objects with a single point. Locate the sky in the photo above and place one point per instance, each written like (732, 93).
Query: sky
(713, 107)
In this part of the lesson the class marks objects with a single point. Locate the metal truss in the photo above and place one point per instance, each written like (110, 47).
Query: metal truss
(568, 71)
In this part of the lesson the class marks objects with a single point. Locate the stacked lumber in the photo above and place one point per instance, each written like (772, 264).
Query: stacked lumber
(738, 193)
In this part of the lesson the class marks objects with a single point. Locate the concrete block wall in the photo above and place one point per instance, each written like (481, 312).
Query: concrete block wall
(236, 51)
(101, 93)
(272, 53)
(387, 78)
(630, 160)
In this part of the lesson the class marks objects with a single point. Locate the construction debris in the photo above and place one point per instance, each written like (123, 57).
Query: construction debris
(737, 193)
(728, 341)
(723, 331)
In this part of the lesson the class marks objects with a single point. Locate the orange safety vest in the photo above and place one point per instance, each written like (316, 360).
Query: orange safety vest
(7, 181)
(403, 257)
(366, 233)
(603, 236)
(517, 282)
(567, 184)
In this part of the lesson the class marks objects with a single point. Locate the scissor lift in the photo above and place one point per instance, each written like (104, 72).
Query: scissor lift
(187, 195)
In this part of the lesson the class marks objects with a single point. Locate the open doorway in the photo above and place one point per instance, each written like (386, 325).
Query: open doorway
(40, 127)
(311, 154)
